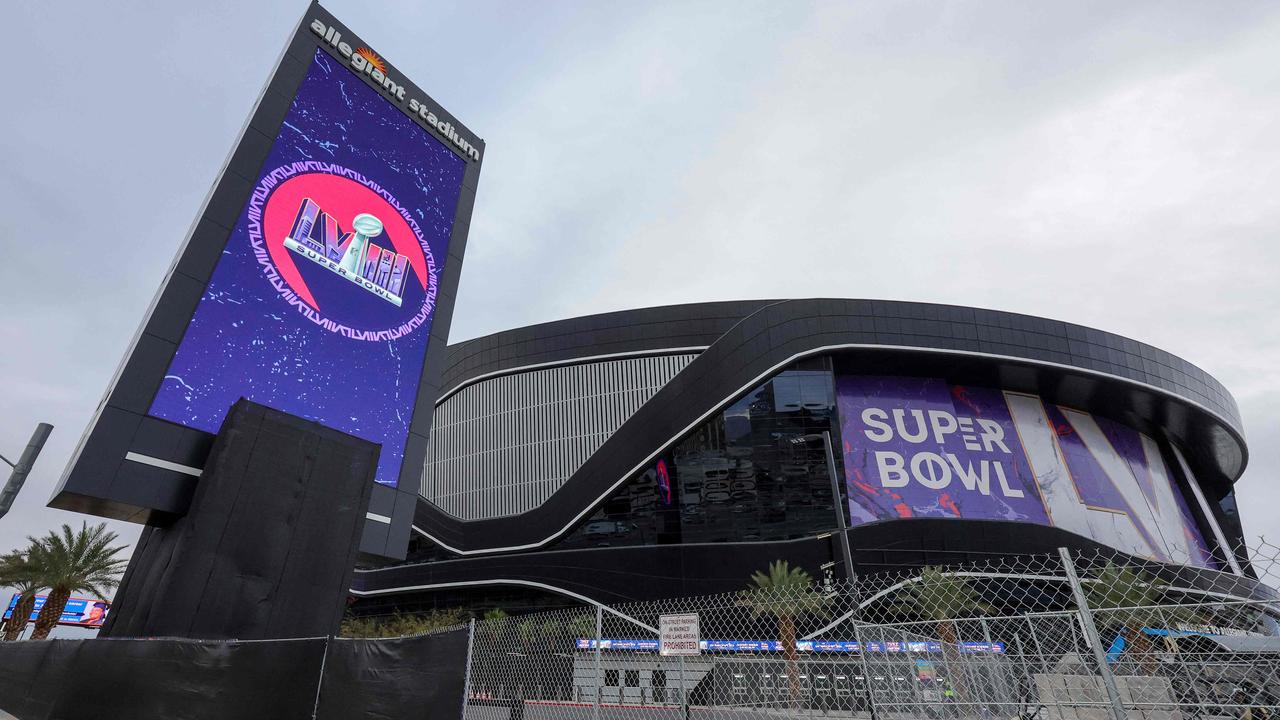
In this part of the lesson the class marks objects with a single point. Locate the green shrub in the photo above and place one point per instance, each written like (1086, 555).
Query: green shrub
(401, 624)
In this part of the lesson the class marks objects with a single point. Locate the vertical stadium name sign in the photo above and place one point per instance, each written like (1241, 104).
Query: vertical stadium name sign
(367, 62)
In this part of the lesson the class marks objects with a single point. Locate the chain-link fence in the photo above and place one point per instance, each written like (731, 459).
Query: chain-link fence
(1067, 635)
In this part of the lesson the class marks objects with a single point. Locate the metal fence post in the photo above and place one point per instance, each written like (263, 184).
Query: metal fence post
(324, 658)
(684, 690)
(595, 703)
(466, 679)
(1091, 635)
(998, 679)
(863, 649)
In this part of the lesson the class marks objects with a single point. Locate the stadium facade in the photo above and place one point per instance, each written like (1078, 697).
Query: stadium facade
(676, 450)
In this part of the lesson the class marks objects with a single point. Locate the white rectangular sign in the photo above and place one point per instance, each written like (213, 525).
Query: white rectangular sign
(678, 635)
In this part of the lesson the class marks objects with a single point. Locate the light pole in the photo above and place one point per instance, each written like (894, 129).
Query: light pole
(22, 468)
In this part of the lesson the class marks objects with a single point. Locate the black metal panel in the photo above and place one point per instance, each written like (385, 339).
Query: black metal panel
(875, 322)
(639, 573)
(630, 331)
(614, 575)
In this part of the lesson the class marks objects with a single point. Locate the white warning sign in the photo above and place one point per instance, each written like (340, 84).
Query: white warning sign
(678, 635)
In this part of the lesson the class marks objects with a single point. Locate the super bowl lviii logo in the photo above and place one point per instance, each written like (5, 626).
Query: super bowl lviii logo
(318, 237)
(342, 251)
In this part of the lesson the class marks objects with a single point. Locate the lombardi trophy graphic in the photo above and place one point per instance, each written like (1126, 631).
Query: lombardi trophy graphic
(366, 226)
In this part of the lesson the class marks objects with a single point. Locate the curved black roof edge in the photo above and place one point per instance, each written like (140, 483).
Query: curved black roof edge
(1118, 377)
(624, 332)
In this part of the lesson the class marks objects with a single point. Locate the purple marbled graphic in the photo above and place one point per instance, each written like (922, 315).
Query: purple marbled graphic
(870, 498)
(1090, 480)
(244, 340)
(1128, 443)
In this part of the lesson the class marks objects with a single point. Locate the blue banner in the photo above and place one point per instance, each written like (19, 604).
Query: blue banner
(804, 646)
(84, 612)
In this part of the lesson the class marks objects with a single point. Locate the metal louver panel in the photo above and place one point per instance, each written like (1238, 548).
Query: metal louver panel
(503, 445)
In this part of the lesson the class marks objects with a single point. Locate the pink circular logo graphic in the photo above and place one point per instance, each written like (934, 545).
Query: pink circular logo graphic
(342, 251)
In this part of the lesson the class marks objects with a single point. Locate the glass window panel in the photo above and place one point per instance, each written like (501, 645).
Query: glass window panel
(736, 477)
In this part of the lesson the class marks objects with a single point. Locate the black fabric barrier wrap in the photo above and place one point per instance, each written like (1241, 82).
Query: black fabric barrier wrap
(419, 677)
(268, 546)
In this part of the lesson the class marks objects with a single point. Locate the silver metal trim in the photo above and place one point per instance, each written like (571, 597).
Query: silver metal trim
(504, 581)
(572, 361)
(163, 464)
(772, 370)
(1218, 535)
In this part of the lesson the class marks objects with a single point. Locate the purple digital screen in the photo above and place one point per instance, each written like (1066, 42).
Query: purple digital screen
(923, 447)
(322, 301)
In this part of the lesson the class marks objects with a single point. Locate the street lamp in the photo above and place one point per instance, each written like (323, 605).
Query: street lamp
(825, 437)
(23, 467)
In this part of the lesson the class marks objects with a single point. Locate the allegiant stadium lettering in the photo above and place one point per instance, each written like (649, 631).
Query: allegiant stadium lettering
(358, 61)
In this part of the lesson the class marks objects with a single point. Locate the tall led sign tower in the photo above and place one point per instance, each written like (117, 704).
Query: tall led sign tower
(318, 280)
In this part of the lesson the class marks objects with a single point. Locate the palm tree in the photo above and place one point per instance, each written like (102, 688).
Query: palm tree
(787, 594)
(941, 598)
(493, 627)
(15, 572)
(530, 632)
(584, 625)
(70, 562)
(1128, 600)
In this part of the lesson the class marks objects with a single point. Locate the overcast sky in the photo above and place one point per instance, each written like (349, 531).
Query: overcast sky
(1110, 164)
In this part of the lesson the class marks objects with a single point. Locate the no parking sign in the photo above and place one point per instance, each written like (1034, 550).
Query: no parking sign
(678, 635)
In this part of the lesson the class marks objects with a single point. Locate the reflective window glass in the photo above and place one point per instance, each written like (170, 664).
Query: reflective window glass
(738, 477)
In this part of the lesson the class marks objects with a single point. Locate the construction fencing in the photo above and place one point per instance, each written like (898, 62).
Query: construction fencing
(1068, 635)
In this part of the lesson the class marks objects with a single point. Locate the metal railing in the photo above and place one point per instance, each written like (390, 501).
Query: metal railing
(1065, 635)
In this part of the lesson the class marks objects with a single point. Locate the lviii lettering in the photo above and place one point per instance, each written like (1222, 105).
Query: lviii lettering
(318, 237)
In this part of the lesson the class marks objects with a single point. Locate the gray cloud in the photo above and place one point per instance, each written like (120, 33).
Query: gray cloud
(1099, 163)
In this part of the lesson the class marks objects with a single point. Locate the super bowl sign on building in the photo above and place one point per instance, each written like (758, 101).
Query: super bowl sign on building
(923, 447)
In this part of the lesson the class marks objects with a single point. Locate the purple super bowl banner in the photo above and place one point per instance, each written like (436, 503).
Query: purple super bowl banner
(322, 302)
(921, 447)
